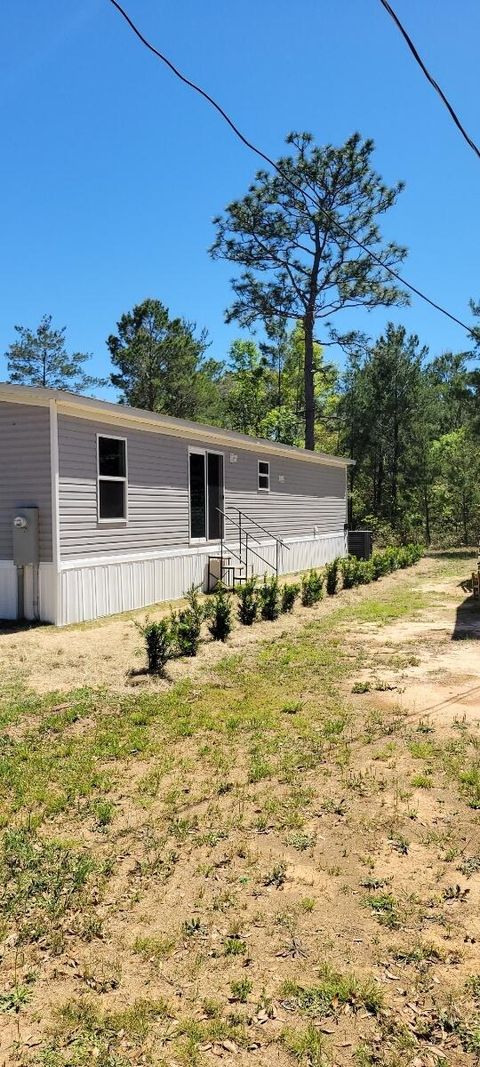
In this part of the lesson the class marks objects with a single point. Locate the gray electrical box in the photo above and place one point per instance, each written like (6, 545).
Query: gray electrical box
(25, 537)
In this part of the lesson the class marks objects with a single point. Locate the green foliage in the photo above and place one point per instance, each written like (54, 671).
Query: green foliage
(332, 576)
(159, 364)
(40, 358)
(412, 429)
(186, 625)
(296, 264)
(241, 989)
(219, 614)
(158, 637)
(290, 593)
(247, 602)
(40, 878)
(306, 1045)
(269, 598)
(349, 569)
(334, 990)
(312, 588)
(361, 572)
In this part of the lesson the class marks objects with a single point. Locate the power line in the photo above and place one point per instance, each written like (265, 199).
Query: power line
(388, 7)
(258, 151)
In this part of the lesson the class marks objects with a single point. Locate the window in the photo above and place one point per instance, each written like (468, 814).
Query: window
(112, 479)
(264, 475)
(206, 495)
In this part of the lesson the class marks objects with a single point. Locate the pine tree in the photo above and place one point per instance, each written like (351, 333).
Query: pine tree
(297, 264)
(40, 358)
(159, 364)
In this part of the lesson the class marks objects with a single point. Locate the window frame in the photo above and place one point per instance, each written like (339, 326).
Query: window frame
(205, 452)
(263, 474)
(197, 452)
(113, 478)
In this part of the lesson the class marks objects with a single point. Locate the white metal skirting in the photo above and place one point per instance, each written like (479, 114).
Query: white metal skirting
(40, 591)
(8, 590)
(89, 589)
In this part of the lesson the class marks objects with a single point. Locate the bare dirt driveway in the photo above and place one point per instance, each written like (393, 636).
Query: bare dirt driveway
(270, 858)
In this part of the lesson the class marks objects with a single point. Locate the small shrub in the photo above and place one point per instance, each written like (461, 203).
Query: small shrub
(289, 596)
(186, 633)
(380, 565)
(349, 568)
(269, 596)
(312, 588)
(248, 602)
(186, 625)
(158, 639)
(219, 613)
(331, 571)
(364, 574)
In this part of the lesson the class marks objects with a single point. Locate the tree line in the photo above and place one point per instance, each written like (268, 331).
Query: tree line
(307, 245)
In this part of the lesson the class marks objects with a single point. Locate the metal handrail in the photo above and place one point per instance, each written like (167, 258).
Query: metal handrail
(237, 524)
(249, 536)
(260, 527)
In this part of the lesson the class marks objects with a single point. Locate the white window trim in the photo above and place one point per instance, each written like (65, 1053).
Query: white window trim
(263, 488)
(197, 452)
(110, 478)
(205, 453)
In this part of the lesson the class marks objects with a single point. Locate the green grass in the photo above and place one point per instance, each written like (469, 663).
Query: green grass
(224, 794)
(334, 990)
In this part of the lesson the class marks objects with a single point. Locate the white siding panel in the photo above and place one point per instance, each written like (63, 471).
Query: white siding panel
(8, 590)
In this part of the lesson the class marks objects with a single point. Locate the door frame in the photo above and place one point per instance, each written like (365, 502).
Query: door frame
(204, 452)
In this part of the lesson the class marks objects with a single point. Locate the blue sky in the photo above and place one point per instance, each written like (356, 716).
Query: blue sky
(113, 171)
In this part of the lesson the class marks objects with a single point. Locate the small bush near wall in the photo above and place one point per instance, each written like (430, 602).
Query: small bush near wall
(158, 639)
(360, 572)
(289, 596)
(269, 597)
(312, 588)
(186, 625)
(219, 613)
(332, 576)
(247, 602)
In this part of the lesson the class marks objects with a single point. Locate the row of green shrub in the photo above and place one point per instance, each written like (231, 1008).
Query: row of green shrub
(362, 572)
(180, 634)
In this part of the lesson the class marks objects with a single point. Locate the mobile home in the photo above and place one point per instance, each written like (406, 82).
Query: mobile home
(106, 508)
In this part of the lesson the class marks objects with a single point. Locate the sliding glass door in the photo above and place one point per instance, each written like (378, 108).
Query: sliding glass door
(206, 495)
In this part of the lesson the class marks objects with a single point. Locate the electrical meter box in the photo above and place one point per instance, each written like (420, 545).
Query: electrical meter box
(25, 537)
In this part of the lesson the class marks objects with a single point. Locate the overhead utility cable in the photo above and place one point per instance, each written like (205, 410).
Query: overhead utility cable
(303, 192)
(453, 114)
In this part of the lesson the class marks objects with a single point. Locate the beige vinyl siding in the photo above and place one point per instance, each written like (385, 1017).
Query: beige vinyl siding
(311, 495)
(25, 477)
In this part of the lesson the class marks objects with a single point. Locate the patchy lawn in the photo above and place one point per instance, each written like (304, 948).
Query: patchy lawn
(274, 859)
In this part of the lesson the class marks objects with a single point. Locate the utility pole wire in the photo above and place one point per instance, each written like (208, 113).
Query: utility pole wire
(258, 151)
(389, 9)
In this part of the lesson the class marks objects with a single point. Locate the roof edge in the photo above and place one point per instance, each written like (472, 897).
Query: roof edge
(83, 406)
